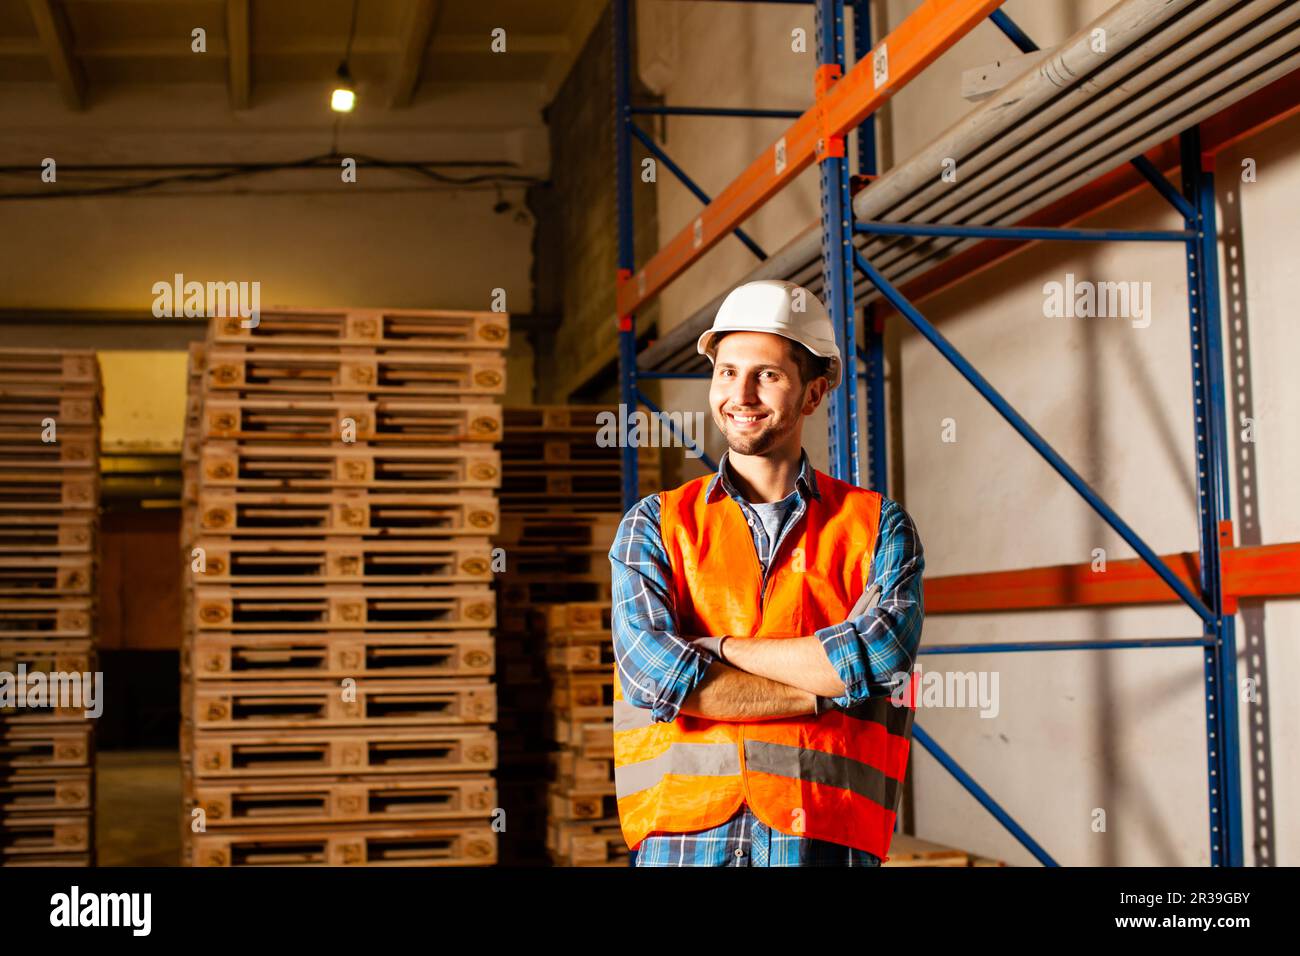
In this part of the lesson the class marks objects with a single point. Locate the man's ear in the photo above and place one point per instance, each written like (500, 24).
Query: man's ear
(817, 389)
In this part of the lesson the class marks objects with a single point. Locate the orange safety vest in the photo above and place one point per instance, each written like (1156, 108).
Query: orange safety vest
(837, 776)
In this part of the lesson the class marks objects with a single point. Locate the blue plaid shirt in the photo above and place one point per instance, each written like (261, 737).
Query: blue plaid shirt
(658, 669)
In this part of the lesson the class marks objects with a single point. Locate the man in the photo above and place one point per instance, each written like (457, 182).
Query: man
(753, 720)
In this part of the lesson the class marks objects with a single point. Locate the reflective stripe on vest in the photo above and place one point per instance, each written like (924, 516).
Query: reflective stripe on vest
(835, 777)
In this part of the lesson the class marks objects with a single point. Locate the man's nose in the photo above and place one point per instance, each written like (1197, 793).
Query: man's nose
(744, 390)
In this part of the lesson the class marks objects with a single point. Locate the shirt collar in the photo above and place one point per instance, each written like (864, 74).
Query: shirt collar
(720, 483)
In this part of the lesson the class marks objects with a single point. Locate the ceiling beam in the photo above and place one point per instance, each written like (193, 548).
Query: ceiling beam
(237, 46)
(415, 40)
(56, 38)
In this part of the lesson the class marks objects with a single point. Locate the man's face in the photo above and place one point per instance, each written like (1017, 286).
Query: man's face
(756, 398)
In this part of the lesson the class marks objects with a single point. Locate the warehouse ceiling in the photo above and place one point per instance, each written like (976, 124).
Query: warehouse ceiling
(405, 51)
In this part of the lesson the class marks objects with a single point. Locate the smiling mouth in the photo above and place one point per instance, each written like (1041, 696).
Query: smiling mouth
(745, 419)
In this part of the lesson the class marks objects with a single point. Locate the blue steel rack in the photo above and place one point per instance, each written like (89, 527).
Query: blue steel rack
(840, 258)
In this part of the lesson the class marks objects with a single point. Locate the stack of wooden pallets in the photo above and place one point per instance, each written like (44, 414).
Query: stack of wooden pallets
(50, 403)
(561, 504)
(583, 829)
(337, 699)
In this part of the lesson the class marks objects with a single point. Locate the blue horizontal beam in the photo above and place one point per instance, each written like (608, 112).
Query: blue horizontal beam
(709, 462)
(1022, 232)
(1012, 646)
(980, 794)
(714, 111)
(1026, 431)
(700, 194)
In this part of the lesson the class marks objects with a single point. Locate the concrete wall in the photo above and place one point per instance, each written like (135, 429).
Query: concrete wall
(1122, 732)
(576, 246)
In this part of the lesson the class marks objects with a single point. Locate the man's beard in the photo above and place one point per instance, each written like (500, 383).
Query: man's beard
(759, 444)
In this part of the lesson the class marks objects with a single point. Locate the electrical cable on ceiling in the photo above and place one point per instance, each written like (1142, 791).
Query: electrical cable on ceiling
(225, 171)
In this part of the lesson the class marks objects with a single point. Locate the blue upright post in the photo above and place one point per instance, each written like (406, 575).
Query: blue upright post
(627, 386)
(874, 351)
(1222, 742)
(837, 252)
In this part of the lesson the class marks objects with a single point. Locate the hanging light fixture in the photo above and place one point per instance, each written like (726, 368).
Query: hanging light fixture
(344, 96)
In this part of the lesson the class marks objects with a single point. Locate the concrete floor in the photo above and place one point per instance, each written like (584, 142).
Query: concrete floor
(138, 808)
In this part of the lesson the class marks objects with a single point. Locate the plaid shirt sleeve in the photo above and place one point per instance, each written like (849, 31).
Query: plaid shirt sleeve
(868, 652)
(657, 668)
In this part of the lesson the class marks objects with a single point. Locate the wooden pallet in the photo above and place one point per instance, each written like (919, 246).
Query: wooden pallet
(235, 705)
(46, 618)
(590, 530)
(908, 850)
(294, 800)
(254, 467)
(581, 657)
(338, 655)
(587, 843)
(586, 617)
(48, 490)
(440, 331)
(571, 452)
(569, 768)
(344, 562)
(591, 801)
(520, 483)
(258, 754)
(65, 656)
(533, 563)
(30, 533)
(430, 844)
(555, 419)
(253, 370)
(583, 697)
(45, 793)
(267, 515)
(48, 366)
(285, 420)
(380, 607)
(511, 593)
(45, 746)
(22, 835)
(585, 738)
(26, 406)
(44, 574)
(24, 447)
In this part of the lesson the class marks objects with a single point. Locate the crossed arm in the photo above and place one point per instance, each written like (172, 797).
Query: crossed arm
(762, 678)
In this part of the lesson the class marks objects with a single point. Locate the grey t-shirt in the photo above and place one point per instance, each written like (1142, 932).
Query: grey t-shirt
(773, 515)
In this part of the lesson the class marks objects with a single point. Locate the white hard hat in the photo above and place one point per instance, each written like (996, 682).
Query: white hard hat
(782, 308)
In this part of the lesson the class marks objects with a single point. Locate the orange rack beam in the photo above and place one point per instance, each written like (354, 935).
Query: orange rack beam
(934, 27)
(1264, 571)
